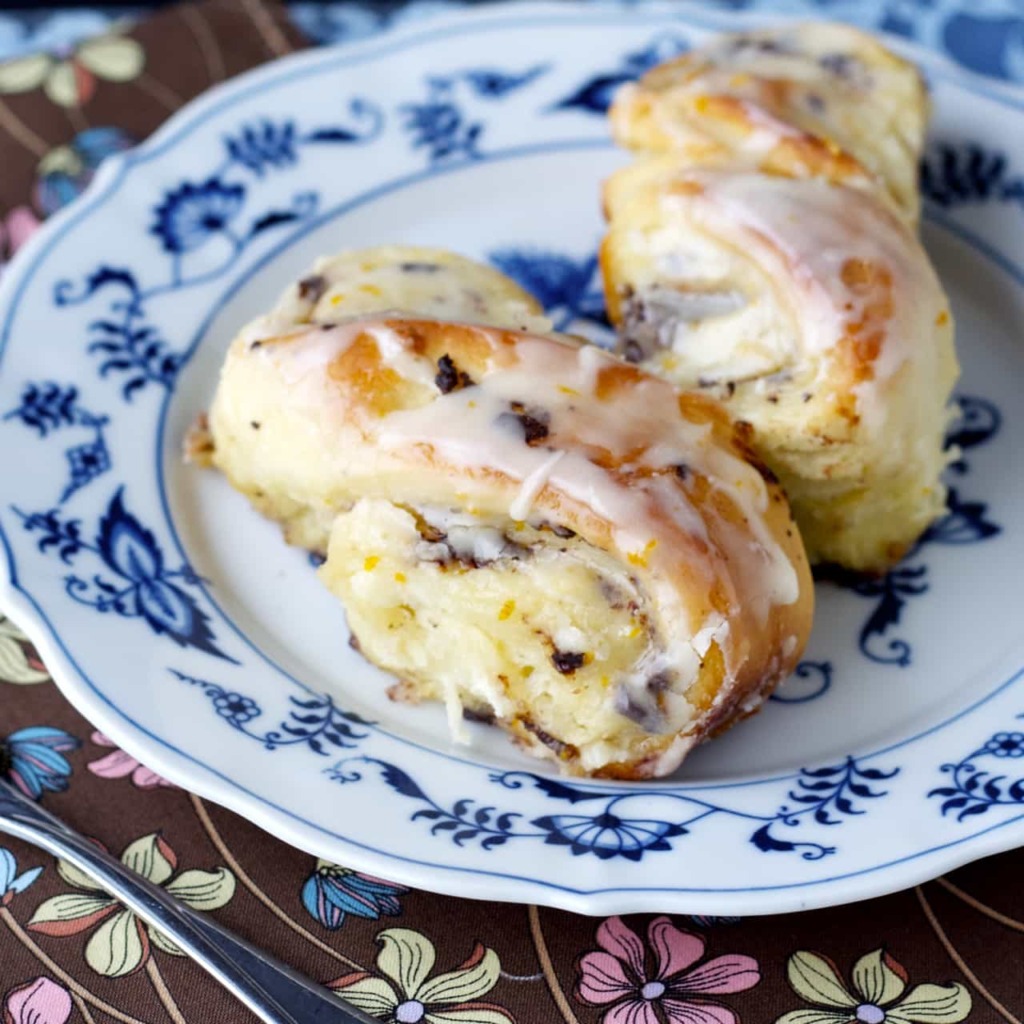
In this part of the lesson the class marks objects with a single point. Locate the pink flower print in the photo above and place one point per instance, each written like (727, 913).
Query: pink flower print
(15, 230)
(662, 981)
(119, 765)
(38, 1002)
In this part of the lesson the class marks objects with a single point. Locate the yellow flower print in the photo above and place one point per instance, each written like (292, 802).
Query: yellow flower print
(122, 943)
(404, 993)
(69, 79)
(877, 994)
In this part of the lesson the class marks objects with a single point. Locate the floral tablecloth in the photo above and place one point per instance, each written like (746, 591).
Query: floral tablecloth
(76, 86)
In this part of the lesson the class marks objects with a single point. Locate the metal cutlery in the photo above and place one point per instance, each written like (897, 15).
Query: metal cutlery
(274, 992)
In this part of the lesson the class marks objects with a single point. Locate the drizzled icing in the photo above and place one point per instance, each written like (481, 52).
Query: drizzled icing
(640, 427)
(804, 233)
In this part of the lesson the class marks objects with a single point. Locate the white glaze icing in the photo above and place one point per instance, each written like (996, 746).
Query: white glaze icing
(802, 233)
(532, 486)
(476, 428)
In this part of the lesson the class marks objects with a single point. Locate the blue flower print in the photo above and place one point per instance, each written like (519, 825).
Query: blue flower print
(33, 759)
(333, 892)
(1006, 744)
(11, 883)
(65, 172)
(145, 588)
(607, 835)
(191, 215)
(236, 708)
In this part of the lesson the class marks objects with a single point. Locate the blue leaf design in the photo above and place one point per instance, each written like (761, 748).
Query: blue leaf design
(399, 781)
(558, 790)
(47, 406)
(494, 84)
(126, 546)
(595, 96)
(64, 293)
(265, 145)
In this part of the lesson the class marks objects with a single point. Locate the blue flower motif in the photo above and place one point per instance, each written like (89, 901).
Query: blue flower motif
(1006, 744)
(33, 759)
(237, 708)
(191, 215)
(606, 835)
(332, 892)
(11, 883)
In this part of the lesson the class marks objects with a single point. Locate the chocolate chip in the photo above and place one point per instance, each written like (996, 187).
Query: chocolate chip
(255, 345)
(430, 533)
(450, 377)
(546, 738)
(682, 470)
(632, 352)
(840, 64)
(567, 661)
(760, 45)
(419, 268)
(533, 422)
(562, 531)
(353, 642)
(644, 713)
(730, 388)
(659, 682)
(312, 288)
(484, 715)
(766, 473)
(255, 424)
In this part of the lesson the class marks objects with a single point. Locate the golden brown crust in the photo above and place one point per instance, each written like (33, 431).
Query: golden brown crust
(840, 352)
(712, 537)
(811, 100)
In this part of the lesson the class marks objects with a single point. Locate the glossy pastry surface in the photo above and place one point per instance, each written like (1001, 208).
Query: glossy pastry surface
(525, 528)
(814, 314)
(406, 279)
(813, 99)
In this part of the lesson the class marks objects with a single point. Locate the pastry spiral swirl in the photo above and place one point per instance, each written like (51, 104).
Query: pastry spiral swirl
(795, 292)
(524, 527)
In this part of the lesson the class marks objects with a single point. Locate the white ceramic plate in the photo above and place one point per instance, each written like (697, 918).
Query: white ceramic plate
(181, 625)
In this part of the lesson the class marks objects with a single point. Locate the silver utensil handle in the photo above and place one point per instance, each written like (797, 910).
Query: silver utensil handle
(273, 991)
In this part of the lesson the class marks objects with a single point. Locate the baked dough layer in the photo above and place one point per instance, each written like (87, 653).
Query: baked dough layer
(526, 528)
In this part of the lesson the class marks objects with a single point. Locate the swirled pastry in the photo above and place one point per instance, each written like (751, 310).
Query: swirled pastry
(812, 311)
(803, 100)
(525, 528)
(424, 281)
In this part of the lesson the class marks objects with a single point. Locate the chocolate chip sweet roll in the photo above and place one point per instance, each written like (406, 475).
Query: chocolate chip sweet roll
(525, 528)
(792, 286)
(806, 100)
(814, 314)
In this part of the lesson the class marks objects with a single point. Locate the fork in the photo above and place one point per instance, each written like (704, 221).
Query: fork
(273, 991)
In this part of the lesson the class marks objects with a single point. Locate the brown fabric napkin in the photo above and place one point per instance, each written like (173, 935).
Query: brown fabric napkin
(949, 951)
(61, 113)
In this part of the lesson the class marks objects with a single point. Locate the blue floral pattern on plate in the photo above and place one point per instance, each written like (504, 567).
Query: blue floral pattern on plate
(188, 632)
